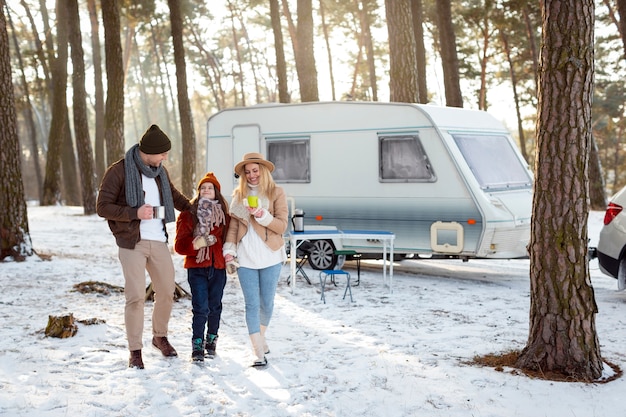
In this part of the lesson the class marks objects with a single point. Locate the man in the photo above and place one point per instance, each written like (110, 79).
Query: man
(134, 193)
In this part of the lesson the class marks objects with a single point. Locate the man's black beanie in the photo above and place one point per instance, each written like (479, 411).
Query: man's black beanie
(154, 141)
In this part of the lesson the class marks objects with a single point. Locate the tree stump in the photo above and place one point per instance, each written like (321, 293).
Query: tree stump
(61, 326)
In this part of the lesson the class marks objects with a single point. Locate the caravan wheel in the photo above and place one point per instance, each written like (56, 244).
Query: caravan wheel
(322, 255)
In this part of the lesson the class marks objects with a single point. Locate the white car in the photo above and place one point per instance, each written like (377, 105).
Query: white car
(611, 250)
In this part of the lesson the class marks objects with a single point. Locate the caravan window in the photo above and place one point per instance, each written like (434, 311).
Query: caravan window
(292, 159)
(493, 161)
(403, 159)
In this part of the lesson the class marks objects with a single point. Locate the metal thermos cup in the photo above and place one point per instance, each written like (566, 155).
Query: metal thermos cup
(298, 220)
(158, 212)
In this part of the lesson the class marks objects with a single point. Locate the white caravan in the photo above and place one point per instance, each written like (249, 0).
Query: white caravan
(449, 182)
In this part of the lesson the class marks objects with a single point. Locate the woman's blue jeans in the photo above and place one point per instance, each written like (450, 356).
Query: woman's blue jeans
(207, 289)
(259, 287)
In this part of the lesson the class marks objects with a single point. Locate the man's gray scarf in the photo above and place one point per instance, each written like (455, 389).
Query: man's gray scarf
(133, 168)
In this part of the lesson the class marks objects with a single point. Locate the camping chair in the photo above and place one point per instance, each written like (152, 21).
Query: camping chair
(302, 256)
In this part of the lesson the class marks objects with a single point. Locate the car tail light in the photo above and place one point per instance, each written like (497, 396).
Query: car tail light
(611, 212)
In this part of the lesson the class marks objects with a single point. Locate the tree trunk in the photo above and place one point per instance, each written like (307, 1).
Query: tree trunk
(365, 19)
(158, 56)
(186, 120)
(281, 64)
(597, 194)
(402, 60)
(417, 17)
(237, 75)
(70, 191)
(14, 234)
(621, 9)
(28, 114)
(530, 30)
(328, 50)
(56, 135)
(562, 336)
(484, 59)
(79, 104)
(305, 58)
(518, 114)
(449, 59)
(114, 107)
(100, 164)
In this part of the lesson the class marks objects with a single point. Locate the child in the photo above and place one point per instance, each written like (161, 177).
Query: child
(199, 236)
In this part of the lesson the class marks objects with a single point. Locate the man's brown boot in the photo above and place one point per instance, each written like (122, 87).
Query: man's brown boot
(164, 346)
(135, 360)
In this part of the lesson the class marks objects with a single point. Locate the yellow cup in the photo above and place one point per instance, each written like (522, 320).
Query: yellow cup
(253, 201)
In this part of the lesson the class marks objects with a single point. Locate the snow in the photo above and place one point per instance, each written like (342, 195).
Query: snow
(400, 354)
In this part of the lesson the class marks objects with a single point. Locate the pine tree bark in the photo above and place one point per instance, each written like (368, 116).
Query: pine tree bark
(365, 19)
(402, 60)
(70, 191)
(449, 58)
(184, 108)
(518, 114)
(99, 154)
(114, 106)
(417, 16)
(329, 53)
(621, 9)
(58, 125)
(28, 110)
(237, 75)
(562, 336)
(305, 58)
(597, 195)
(14, 234)
(279, 48)
(79, 105)
(157, 48)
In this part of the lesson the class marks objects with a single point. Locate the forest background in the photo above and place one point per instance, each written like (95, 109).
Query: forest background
(230, 53)
(475, 42)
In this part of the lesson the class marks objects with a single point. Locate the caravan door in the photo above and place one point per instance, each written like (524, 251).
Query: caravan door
(245, 139)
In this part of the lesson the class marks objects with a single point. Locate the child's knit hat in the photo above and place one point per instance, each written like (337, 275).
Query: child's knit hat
(210, 177)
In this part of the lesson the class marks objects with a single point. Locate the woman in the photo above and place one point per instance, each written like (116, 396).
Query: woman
(199, 236)
(255, 241)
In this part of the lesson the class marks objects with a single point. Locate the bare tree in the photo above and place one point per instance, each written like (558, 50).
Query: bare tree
(562, 336)
(14, 235)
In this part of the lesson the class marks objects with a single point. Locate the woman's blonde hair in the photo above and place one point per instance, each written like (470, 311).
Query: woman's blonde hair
(266, 183)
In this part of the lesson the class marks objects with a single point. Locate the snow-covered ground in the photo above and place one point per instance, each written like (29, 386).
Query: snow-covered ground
(395, 355)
